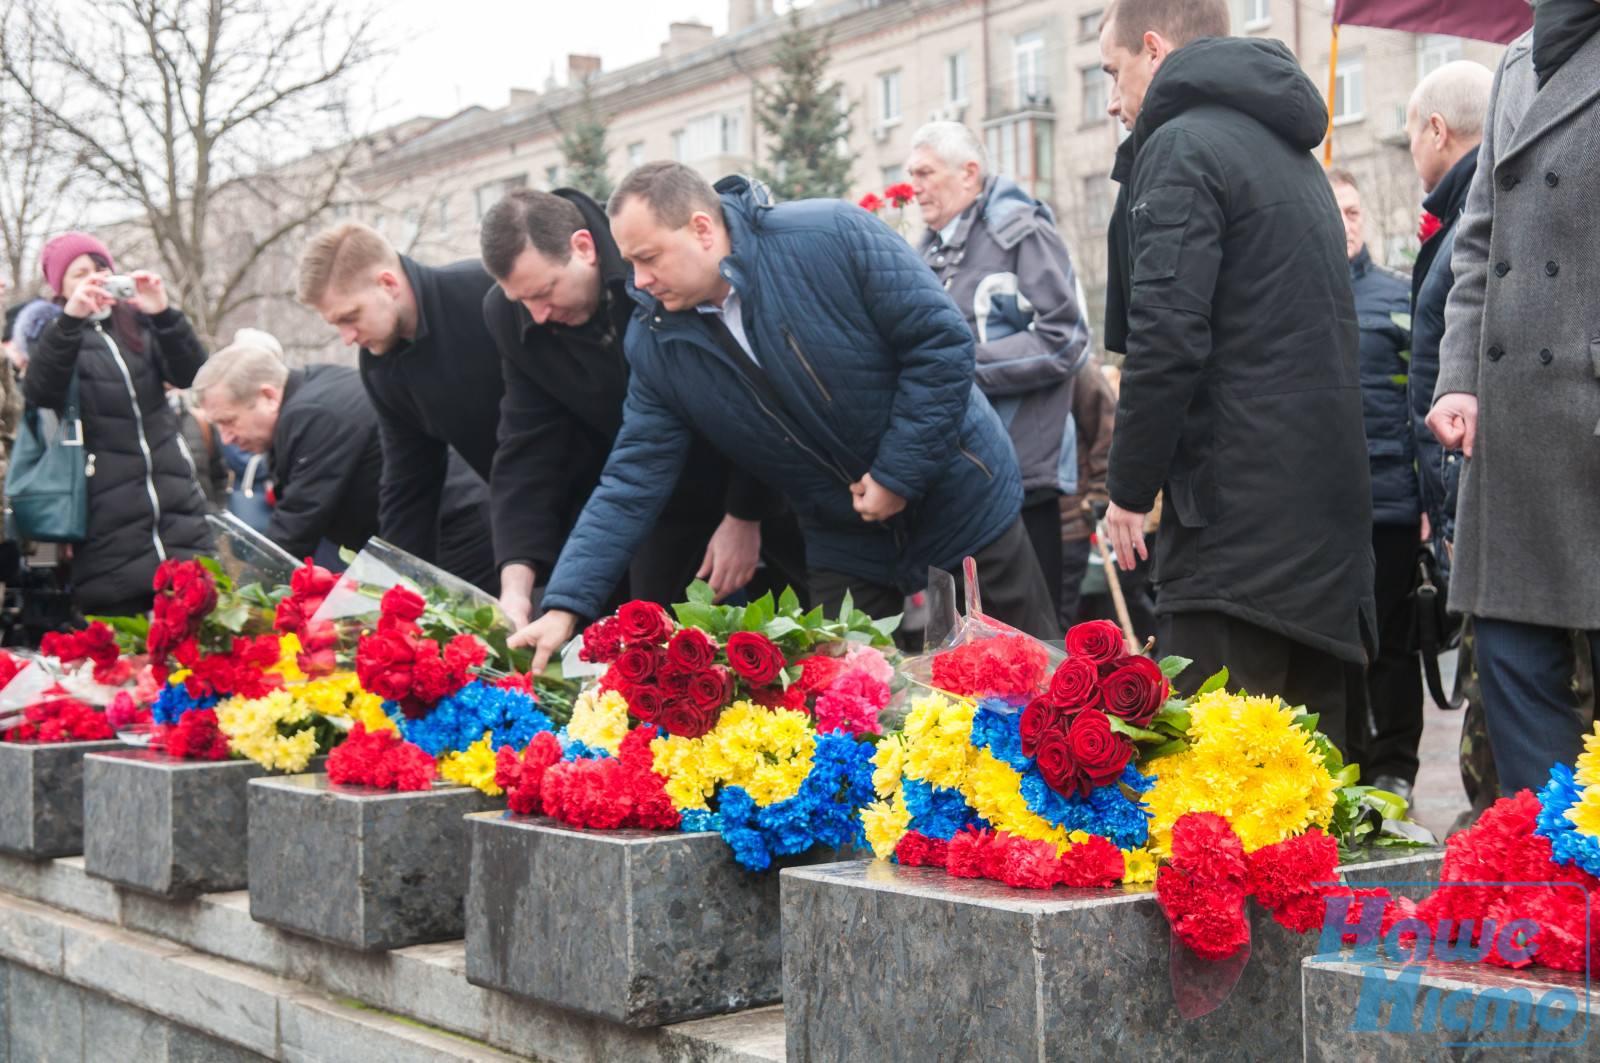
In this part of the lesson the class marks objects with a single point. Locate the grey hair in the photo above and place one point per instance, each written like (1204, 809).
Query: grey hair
(253, 358)
(954, 143)
(1458, 92)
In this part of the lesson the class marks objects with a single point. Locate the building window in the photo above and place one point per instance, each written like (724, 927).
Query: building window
(486, 196)
(1028, 58)
(1435, 50)
(635, 154)
(1024, 149)
(412, 228)
(893, 175)
(889, 98)
(1097, 200)
(1089, 25)
(444, 217)
(1095, 99)
(1257, 14)
(955, 78)
(706, 136)
(1348, 101)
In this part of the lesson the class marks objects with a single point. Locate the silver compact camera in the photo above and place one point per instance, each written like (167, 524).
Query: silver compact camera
(119, 287)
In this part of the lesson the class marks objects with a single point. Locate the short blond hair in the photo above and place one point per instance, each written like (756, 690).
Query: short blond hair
(241, 368)
(339, 258)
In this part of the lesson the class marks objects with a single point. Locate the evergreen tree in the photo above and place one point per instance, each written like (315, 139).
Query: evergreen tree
(802, 115)
(584, 150)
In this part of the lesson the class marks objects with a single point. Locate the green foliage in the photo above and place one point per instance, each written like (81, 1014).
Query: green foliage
(800, 112)
(584, 149)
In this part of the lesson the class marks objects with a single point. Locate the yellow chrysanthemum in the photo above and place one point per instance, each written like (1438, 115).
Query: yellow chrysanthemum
(1250, 762)
(288, 664)
(767, 752)
(938, 734)
(252, 729)
(889, 765)
(886, 823)
(994, 791)
(1587, 771)
(1140, 865)
(600, 720)
(473, 766)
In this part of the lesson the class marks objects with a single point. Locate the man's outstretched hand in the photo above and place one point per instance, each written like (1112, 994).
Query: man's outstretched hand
(1126, 529)
(545, 636)
(731, 556)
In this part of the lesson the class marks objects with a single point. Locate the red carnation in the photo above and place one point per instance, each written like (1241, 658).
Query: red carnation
(711, 688)
(682, 717)
(871, 201)
(1056, 763)
(1100, 752)
(1136, 691)
(601, 642)
(643, 622)
(1030, 864)
(1092, 864)
(1038, 719)
(691, 650)
(1427, 226)
(1203, 843)
(900, 194)
(1076, 684)
(520, 776)
(817, 671)
(1098, 640)
(918, 850)
(755, 657)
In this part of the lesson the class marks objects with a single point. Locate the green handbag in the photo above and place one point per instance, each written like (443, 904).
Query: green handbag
(47, 490)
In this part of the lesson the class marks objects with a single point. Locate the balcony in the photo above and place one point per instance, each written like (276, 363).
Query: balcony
(1030, 97)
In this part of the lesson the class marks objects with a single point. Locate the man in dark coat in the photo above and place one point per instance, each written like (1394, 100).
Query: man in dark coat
(814, 348)
(1229, 293)
(558, 312)
(430, 368)
(1444, 124)
(1384, 738)
(322, 434)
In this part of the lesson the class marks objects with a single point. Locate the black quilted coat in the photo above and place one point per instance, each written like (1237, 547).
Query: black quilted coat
(144, 503)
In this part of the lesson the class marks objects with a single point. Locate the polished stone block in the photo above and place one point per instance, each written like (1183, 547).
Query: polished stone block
(888, 964)
(41, 796)
(177, 828)
(360, 867)
(1388, 1012)
(642, 927)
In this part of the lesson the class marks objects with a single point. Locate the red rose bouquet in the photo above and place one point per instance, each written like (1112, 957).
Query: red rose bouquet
(399, 665)
(95, 643)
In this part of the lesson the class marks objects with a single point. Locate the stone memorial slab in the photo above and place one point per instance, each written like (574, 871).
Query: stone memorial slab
(41, 796)
(641, 927)
(357, 866)
(889, 964)
(176, 828)
(1388, 1012)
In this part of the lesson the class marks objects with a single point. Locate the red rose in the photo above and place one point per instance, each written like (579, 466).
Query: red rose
(291, 615)
(1098, 640)
(682, 717)
(312, 581)
(1056, 763)
(645, 702)
(711, 688)
(691, 650)
(643, 622)
(673, 682)
(1076, 684)
(1038, 719)
(402, 604)
(384, 662)
(754, 656)
(638, 664)
(1136, 691)
(601, 643)
(1100, 752)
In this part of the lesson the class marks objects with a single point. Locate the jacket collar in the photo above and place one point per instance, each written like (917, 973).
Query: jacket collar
(1361, 264)
(422, 293)
(1449, 196)
(1571, 87)
(290, 386)
(743, 203)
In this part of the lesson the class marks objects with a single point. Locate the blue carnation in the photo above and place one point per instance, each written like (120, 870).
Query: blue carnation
(694, 820)
(825, 810)
(936, 811)
(997, 726)
(174, 701)
(467, 715)
(577, 749)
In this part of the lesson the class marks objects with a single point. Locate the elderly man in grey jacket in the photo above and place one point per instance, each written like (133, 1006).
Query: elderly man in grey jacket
(997, 251)
(1519, 390)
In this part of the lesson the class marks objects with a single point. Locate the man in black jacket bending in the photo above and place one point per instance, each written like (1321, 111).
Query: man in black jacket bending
(322, 433)
(558, 313)
(428, 365)
(1230, 295)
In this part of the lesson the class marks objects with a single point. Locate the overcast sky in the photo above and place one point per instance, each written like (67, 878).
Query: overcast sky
(465, 52)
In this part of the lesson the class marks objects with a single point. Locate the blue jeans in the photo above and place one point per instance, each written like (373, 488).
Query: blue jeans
(1525, 672)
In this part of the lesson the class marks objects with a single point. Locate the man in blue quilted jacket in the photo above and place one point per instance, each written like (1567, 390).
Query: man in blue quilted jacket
(811, 345)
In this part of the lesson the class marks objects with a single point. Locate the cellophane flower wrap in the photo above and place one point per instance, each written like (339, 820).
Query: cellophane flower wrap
(754, 721)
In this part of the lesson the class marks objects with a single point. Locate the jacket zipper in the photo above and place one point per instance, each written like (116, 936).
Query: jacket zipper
(790, 436)
(144, 444)
(975, 460)
(798, 353)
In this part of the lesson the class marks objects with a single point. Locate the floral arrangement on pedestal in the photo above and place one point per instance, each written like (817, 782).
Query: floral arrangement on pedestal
(755, 721)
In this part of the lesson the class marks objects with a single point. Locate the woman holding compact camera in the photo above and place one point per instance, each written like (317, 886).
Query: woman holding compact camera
(125, 341)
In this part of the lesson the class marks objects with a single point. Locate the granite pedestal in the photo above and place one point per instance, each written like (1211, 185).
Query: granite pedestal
(357, 866)
(888, 964)
(177, 828)
(1389, 1012)
(641, 927)
(41, 796)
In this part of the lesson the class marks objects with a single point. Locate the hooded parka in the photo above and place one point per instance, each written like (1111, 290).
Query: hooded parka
(1229, 292)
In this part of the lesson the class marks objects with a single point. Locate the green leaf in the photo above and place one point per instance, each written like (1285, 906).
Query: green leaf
(789, 602)
(1399, 378)
(1138, 734)
(1165, 749)
(1307, 721)
(211, 565)
(1216, 682)
(347, 555)
(888, 625)
(1174, 715)
(847, 606)
(695, 614)
(1403, 320)
(779, 627)
(700, 593)
(1172, 667)
(232, 618)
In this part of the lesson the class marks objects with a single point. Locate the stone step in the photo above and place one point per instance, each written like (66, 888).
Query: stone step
(1382, 1011)
(423, 983)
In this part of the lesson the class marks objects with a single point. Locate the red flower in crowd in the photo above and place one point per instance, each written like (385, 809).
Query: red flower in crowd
(196, 737)
(384, 663)
(900, 194)
(1098, 640)
(1427, 226)
(1040, 718)
(520, 775)
(645, 702)
(755, 657)
(1056, 763)
(620, 791)
(871, 201)
(638, 664)
(818, 671)
(918, 850)
(691, 650)
(185, 593)
(1136, 691)
(602, 641)
(402, 604)
(379, 759)
(643, 622)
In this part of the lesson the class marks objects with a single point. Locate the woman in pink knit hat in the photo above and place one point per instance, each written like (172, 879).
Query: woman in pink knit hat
(144, 503)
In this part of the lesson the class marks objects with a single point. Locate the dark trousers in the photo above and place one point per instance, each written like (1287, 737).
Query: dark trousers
(1074, 566)
(1042, 521)
(1525, 674)
(1263, 662)
(1009, 583)
(671, 555)
(1385, 742)
(465, 549)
